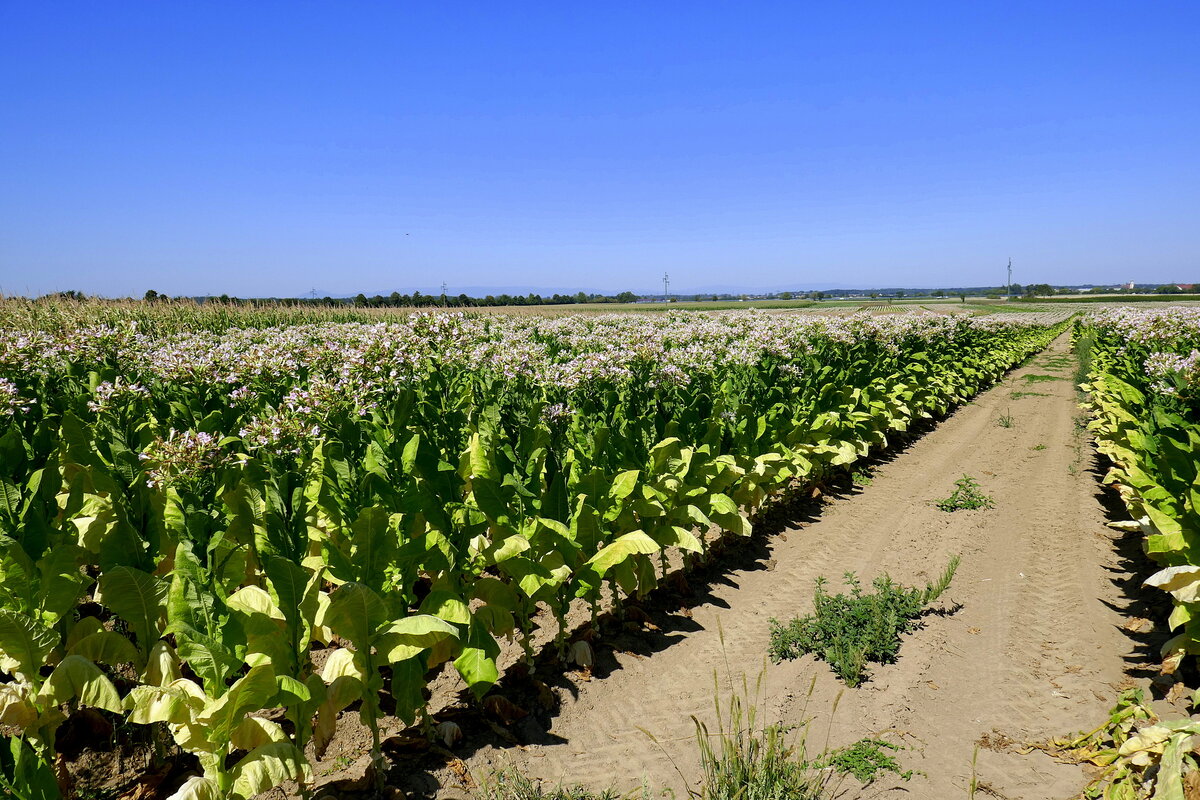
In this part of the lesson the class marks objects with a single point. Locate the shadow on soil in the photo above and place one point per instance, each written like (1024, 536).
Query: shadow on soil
(1144, 609)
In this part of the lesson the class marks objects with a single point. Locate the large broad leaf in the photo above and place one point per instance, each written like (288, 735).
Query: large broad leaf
(408, 684)
(25, 644)
(622, 548)
(623, 485)
(107, 647)
(477, 663)
(197, 788)
(76, 678)
(250, 693)
(374, 545)
(264, 625)
(489, 498)
(447, 605)
(254, 732)
(675, 536)
(148, 704)
(268, 766)
(138, 598)
(10, 499)
(405, 638)
(16, 709)
(297, 590)
(162, 665)
(354, 613)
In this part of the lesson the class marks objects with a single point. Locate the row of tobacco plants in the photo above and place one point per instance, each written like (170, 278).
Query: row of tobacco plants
(188, 515)
(1143, 393)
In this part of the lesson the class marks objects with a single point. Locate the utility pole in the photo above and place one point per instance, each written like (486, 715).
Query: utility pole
(443, 294)
(666, 286)
(1008, 286)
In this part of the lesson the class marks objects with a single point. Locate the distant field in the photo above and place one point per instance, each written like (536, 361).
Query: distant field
(1116, 298)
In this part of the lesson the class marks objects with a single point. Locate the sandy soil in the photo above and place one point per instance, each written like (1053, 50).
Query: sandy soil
(1037, 644)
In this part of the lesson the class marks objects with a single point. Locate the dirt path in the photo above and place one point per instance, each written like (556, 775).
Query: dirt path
(1036, 649)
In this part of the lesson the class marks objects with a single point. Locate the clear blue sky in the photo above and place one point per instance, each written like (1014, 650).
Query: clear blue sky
(259, 148)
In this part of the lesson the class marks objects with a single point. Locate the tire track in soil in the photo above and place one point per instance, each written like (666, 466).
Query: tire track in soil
(1033, 651)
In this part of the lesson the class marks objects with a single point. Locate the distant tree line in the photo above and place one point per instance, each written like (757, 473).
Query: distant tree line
(418, 300)
(397, 300)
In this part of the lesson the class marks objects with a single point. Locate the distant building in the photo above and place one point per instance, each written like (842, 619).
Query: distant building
(1186, 287)
(1127, 285)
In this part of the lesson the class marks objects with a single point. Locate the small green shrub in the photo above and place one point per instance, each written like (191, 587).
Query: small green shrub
(1038, 447)
(862, 477)
(867, 760)
(965, 497)
(1005, 420)
(849, 630)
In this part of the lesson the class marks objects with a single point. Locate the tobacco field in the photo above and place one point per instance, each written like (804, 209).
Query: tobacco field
(193, 506)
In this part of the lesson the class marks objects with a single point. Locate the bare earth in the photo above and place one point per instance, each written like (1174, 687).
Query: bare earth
(1037, 648)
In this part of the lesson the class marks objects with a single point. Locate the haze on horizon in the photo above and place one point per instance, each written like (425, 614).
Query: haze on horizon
(267, 149)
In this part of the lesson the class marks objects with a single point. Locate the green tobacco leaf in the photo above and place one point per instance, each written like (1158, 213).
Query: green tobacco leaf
(623, 484)
(249, 693)
(374, 544)
(76, 678)
(107, 647)
(490, 499)
(355, 612)
(268, 766)
(10, 499)
(138, 598)
(408, 684)
(477, 663)
(622, 548)
(25, 643)
(675, 536)
(406, 637)
(447, 605)
(148, 704)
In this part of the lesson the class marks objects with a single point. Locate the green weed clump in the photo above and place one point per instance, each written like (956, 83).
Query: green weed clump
(848, 631)
(867, 760)
(965, 497)
(862, 477)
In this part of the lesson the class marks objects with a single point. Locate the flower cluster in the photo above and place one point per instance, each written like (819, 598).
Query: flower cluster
(11, 401)
(1170, 371)
(109, 395)
(182, 458)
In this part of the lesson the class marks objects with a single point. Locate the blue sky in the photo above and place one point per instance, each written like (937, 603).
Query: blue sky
(270, 148)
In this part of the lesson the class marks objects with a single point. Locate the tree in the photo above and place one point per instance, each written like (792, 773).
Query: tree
(150, 296)
(360, 299)
(626, 297)
(785, 295)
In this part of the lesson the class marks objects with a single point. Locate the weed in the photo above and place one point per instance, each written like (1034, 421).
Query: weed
(1019, 395)
(746, 763)
(512, 785)
(1034, 378)
(1005, 420)
(1038, 447)
(966, 496)
(862, 477)
(867, 760)
(849, 630)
